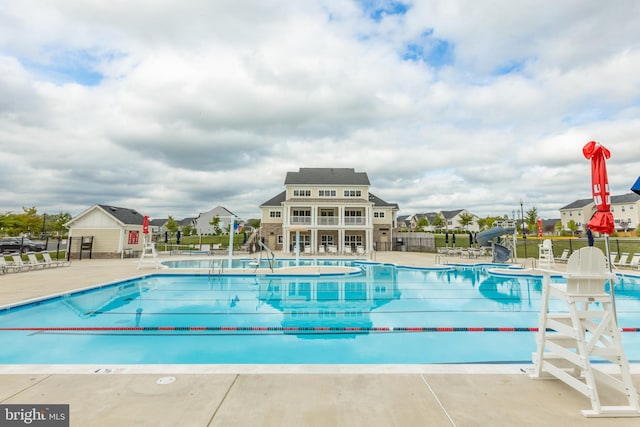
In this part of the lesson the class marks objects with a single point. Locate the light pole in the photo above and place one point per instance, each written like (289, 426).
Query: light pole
(524, 234)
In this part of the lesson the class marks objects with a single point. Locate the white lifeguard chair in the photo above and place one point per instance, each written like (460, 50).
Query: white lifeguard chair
(149, 256)
(545, 254)
(586, 332)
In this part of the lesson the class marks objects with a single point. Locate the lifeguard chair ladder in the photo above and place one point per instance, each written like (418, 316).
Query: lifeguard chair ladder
(149, 256)
(545, 254)
(588, 330)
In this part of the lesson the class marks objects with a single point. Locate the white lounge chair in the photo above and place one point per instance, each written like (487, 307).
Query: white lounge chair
(46, 256)
(332, 250)
(321, 250)
(6, 267)
(564, 256)
(347, 250)
(635, 261)
(34, 262)
(360, 250)
(623, 260)
(307, 250)
(18, 263)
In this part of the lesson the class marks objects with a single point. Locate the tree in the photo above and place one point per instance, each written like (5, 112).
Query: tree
(188, 230)
(172, 226)
(466, 219)
(531, 218)
(254, 223)
(571, 225)
(438, 222)
(558, 227)
(55, 223)
(215, 223)
(422, 223)
(482, 223)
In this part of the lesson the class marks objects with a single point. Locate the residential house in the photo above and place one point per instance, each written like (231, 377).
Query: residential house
(580, 211)
(625, 211)
(328, 208)
(202, 223)
(105, 231)
(452, 220)
(624, 208)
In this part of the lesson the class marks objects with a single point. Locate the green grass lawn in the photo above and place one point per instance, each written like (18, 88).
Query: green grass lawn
(616, 244)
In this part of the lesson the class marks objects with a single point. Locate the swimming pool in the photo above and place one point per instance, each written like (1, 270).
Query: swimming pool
(384, 314)
(255, 263)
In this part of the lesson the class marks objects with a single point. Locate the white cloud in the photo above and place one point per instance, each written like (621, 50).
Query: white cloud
(174, 108)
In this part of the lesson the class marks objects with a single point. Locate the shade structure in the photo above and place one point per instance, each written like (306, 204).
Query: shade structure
(446, 237)
(602, 221)
(145, 225)
(636, 186)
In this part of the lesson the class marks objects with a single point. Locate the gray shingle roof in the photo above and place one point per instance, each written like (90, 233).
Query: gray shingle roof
(451, 214)
(124, 215)
(625, 198)
(326, 176)
(577, 204)
(276, 201)
(377, 201)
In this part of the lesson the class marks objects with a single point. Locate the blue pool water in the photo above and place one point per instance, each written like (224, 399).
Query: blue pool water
(383, 314)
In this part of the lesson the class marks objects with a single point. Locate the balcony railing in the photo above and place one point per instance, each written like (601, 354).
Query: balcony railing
(297, 220)
(328, 220)
(354, 220)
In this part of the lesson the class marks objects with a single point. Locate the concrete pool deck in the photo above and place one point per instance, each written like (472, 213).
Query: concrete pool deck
(277, 395)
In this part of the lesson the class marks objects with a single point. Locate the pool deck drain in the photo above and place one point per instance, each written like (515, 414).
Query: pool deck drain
(281, 395)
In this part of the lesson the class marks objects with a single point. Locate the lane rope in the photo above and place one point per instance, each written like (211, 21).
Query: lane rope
(280, 329)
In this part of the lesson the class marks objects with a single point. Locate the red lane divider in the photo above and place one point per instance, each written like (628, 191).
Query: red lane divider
(317, 329)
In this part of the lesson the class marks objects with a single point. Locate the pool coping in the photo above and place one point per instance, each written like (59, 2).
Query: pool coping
(458, 368)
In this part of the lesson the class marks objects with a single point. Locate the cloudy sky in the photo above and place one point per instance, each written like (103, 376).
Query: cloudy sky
(175, 107)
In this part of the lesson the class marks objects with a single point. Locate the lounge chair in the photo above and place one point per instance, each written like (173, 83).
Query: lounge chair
(332, 250)
(46, 256)
(564, 256)
(635, 261)
(6, 267)
(34, 262)
(347, 250)
(321, 250)
(360, 251)
(19, 264)
(307, 250)
(623, 260)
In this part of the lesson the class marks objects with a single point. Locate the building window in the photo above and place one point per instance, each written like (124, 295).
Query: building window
(378, 214)
(301, 212)
(326, 193)
(353, 240)
(326, 239)
(352, 213)
(352, 193)
(280, 239)
(301, 193)
(275, 214)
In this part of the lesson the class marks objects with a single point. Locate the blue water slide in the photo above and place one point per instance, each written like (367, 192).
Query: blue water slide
(500, 252)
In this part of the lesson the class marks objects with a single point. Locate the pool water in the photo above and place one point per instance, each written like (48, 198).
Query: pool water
(384, 314)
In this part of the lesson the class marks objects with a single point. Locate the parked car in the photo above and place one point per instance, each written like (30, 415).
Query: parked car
(19, 244)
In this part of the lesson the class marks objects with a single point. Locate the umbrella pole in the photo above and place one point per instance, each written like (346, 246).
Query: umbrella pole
(611, 280)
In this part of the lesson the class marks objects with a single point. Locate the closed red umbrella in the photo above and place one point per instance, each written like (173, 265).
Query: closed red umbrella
(602, 220)
(145, 225)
